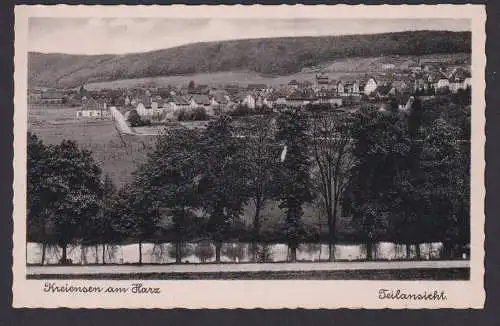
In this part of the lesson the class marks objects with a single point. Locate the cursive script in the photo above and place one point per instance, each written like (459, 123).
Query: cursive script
(400, 295)
(136, 288)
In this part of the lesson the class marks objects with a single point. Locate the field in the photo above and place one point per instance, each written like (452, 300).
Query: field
(55, 123)
(52, 124)
(349, 68)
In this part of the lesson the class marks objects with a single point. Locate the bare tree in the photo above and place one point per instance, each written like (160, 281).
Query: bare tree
(332, 172)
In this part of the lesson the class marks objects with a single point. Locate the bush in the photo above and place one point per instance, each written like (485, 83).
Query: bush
(234, 251)
(204, 251)
(263, 253)
(135, 120)
(197, 114)
(241, 110)
(185, 250)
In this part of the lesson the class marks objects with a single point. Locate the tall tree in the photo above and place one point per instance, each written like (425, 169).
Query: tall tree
(295, 179)
(379, 188)
(99, 229)
(332, 152)
(172, 177)
(262, 160)
(71, 192)
(37, 192)
(222, 168)
(446, 163)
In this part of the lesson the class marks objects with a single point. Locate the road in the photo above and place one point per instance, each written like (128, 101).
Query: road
(271, 267)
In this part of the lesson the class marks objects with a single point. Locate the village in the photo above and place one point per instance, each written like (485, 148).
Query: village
(201, 102)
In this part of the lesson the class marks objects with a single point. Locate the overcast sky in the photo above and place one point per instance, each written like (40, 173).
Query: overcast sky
(126, 35)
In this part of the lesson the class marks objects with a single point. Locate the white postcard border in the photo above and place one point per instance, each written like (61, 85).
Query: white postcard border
(255, 293)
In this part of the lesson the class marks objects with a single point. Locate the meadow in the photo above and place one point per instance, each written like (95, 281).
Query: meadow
(116, 158)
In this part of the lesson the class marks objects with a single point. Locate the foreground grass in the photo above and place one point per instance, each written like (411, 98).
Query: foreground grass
(395, 274)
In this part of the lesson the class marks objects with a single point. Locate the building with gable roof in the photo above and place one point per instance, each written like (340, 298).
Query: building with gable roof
(94, 109)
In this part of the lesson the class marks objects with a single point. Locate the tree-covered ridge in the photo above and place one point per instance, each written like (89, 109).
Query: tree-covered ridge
(267, 56)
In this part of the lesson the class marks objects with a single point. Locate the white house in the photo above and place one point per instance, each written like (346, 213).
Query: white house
(340, 87)
(370, 86)
(249, 101)
(93, 109)
(443, 82)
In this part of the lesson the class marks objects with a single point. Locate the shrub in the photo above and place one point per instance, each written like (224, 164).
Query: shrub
(204, 251)
(185, 250)
(234, 251)
(241, 110)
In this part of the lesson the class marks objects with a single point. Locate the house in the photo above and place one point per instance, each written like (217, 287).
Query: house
(383, 91)
(415, 68)
(327, 97)
(293, 84)
(322, 80)
(92, 108)
(202, 101)
(249, 101)
(51, 97)
(351, 88)
(301, 97)
(177, 103)
(149, 107)
(220, 102)
(270, 100)
(340, 87)
(459, 79)
(443, 82)
(370, 86)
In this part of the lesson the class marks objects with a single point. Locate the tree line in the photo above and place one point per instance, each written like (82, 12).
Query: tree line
(403, 176)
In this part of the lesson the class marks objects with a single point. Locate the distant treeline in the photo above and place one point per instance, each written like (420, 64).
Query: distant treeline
(268, 56)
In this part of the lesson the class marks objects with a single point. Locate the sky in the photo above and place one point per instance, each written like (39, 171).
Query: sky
(129, 35)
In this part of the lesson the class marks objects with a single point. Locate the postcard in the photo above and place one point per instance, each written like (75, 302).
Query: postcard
(249, 156)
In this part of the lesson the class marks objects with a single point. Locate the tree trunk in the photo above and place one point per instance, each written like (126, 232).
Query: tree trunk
(44, 249)
(408, 251)
(331, 251)
(218, 246)
(293, 253)
(417, 249)
(256, 230)
(83, 255)
(331, 239)
(369, 250)
(254, 249)
(140, 252)
(178, 252)
(64, 258)
(103, 254)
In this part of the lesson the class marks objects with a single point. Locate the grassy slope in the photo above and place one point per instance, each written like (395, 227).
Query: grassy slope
(274, 56)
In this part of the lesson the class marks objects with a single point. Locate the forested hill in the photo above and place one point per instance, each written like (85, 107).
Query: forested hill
(271, 56)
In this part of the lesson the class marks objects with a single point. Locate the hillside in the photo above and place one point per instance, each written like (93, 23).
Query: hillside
(338, 69)
(271, 56)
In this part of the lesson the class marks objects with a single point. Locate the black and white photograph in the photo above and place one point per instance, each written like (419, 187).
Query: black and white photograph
(249, 148)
